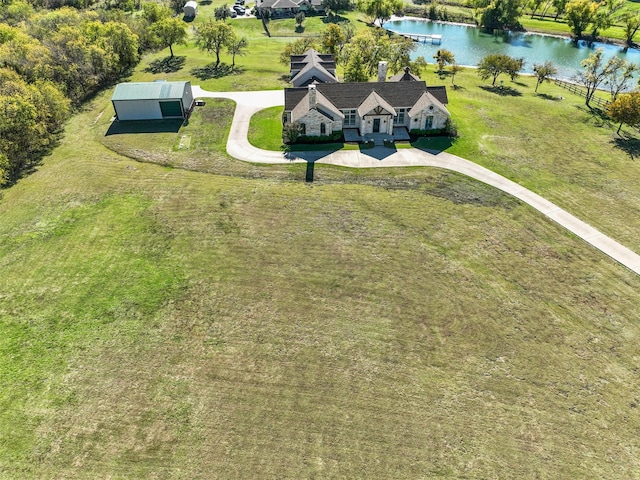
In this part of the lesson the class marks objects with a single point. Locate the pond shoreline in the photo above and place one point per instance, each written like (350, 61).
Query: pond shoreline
(470, 44)
(607, 40)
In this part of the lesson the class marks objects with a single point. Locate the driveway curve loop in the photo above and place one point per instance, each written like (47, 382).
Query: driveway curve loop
(238, 146)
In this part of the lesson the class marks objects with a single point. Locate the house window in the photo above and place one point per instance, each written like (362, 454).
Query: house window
(303, 128)
(349, 118)
(428, 123)
(323, 129)
(399, 120)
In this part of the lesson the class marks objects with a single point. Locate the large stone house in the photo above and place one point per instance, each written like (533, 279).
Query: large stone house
(359, 109)
(312, 67)
(288, 8)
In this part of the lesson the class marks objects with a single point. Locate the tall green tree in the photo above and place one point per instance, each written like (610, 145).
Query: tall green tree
(631, 24)
(213, 37)
(169, 32)
(332, 39)
(371, 46)
(595, 71)
(621, 74)
(297, 47)
(356, 69)
(379, 11)
(336, 6)
(499, 14)
(579, 15)
(399, 53)
(560, 6)
(544, 71)
(31, 116)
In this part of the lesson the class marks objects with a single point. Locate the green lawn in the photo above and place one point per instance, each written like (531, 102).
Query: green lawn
(409, 323)
(170, 312)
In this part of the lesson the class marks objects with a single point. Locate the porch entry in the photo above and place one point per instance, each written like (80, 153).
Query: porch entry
(376, 125)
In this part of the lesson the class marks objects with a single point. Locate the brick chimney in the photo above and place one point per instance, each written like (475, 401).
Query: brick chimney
(382, 71)
(312, 96)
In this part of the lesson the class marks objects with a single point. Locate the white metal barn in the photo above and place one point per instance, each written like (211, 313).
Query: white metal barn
(190, 9)
(152, 100)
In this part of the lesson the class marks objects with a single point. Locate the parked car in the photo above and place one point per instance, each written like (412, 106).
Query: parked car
(240, 10)
(234, 14)
(239, 2)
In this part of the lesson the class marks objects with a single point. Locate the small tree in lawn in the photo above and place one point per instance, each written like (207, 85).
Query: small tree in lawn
(454, 70)
(443, 57)
(493, 65)
(595, 71)
(513, 67)
(222, 13)
(621, 73)
(544, 72)
(625, 109)
(213, 37)
(300, 17)
(236, 46)
(169, 31)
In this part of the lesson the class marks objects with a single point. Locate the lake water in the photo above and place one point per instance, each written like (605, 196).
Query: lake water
(471, 44)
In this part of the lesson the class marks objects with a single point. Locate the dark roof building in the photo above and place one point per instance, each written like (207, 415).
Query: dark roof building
(311, 67)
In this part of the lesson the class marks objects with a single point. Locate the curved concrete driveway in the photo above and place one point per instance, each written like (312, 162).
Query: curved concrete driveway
(238, 146)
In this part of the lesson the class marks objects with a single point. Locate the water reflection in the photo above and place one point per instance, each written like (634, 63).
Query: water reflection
(470, 45)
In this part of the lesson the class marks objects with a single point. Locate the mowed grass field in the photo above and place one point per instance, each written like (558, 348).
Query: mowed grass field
(174, 313)
(161, 323)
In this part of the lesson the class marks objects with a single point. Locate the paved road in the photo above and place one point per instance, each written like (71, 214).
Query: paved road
(239, 147)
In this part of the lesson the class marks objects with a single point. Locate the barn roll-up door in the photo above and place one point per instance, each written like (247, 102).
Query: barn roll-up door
(171, 109)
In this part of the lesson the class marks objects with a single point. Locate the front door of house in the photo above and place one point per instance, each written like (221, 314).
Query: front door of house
(376, 125)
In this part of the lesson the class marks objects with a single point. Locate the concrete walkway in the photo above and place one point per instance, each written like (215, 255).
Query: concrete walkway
(238, 146)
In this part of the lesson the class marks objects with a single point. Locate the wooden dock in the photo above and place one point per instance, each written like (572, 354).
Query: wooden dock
(422, 37)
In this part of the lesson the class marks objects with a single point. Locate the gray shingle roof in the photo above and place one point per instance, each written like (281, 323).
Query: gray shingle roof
(347, 96)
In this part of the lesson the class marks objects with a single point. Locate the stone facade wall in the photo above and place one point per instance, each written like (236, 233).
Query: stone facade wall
(312, 120)
(419, 121)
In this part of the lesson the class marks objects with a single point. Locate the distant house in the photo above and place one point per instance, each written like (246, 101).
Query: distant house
(312, 67)
(152, 100)
(190, 9)
(288, 8)
(359, 109)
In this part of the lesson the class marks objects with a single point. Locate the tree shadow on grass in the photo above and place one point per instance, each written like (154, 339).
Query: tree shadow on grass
(216, 71)
(299, 28)
(333, 18)
(546, 96)
(502, 90)
(144, 126)
(629, 145)
(166, 65)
